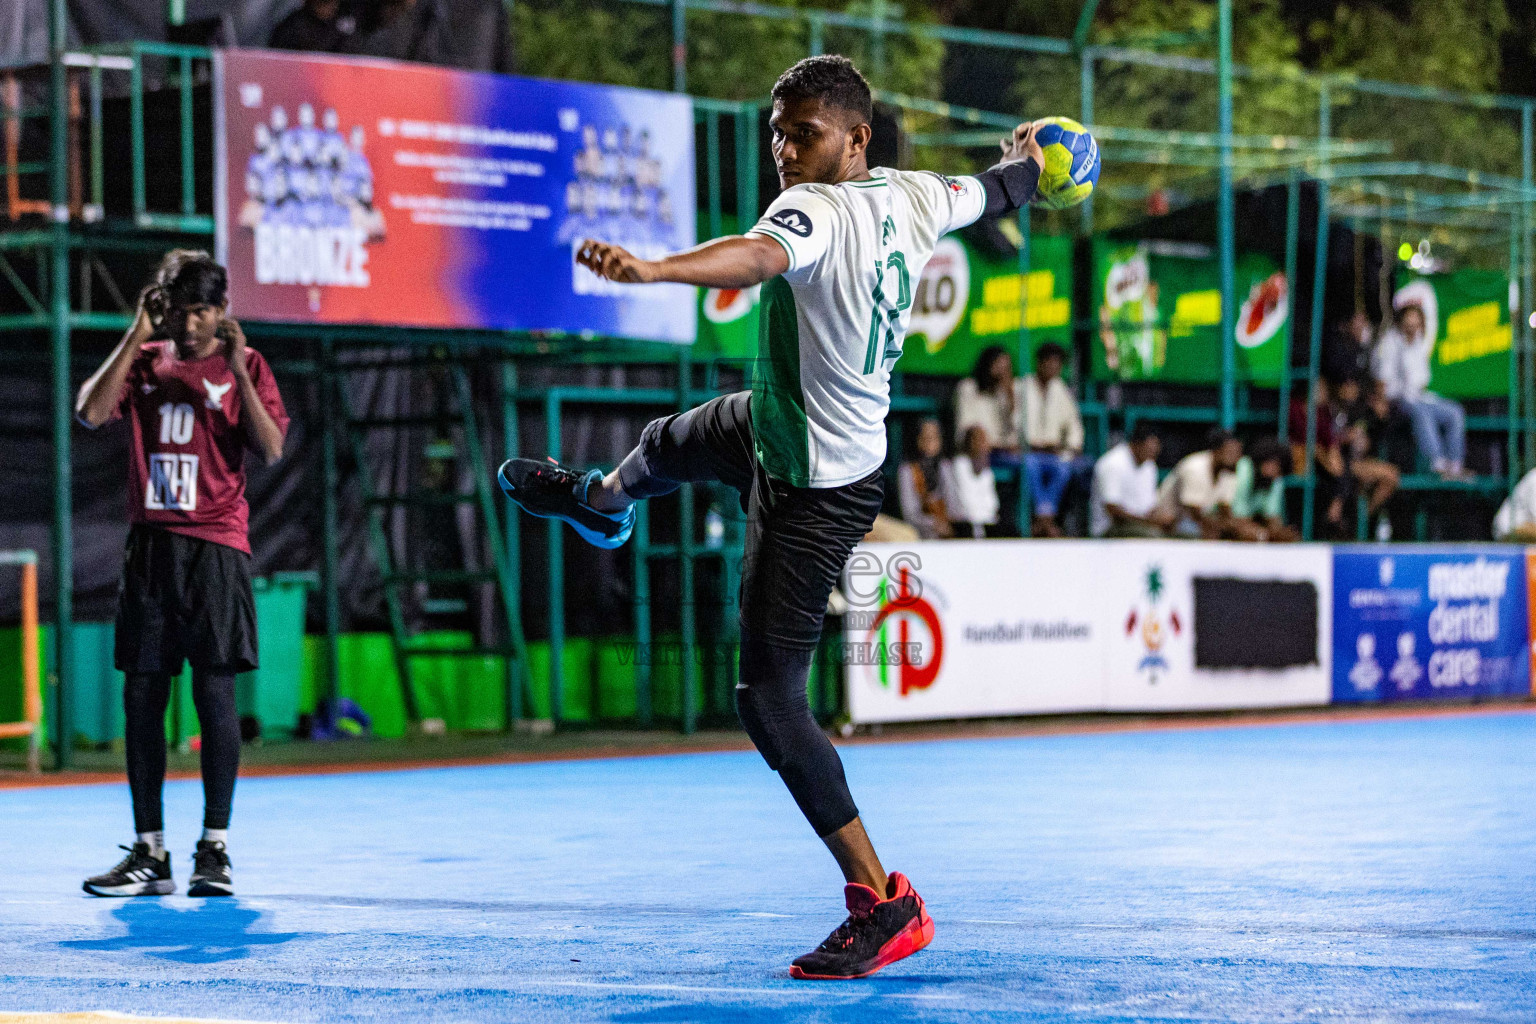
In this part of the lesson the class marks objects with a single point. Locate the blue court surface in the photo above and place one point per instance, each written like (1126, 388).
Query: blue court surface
(1336, 871)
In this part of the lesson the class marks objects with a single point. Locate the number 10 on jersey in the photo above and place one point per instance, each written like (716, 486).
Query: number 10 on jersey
(884, 338)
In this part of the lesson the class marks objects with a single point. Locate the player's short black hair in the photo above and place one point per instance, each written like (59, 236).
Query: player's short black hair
(185, 278)
(1050, 349)
(831, 79)
(1143, 430)
(1218, 437)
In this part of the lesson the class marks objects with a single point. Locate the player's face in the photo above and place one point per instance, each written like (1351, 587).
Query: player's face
(813, 142)
(193, 326)
(1228, 455)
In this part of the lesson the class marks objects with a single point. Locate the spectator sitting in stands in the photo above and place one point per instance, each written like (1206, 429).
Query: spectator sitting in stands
(1197, 495)
(1349, 348)
(1123, 502)
(970, 490)
(1387, 429)
(1259, 502)
(1378, 478)
(1335, 484)
(1439, 424)
(919, 481)
(1516, 520)
(992, 399)
(1053, 434)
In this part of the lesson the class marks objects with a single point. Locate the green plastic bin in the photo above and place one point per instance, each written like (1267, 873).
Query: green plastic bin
(273, 692)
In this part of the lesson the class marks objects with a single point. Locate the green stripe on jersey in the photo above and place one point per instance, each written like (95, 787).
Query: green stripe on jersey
(779, 429)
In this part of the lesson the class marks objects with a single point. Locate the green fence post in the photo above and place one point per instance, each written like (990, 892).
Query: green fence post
(517, 668)
(330, 483)
(817, 26)
(63, 400)
(1512, 441)
(679, 46)
(188, 200)
(136, 133)
(1528, 283)
(1225, 217)
(642, 608)
(1288, 338)
(1314, 355)
(686, 556)
(555, 540)
(1085, 85)
(1026, 359)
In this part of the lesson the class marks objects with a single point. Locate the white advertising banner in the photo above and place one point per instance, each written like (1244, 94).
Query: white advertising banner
(957, 629)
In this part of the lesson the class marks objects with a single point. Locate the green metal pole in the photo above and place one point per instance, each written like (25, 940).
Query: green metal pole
(686, 555)
(1085, 84)
(330, 569)
(1512, 441)
(712, 163)
(1528, 284)
(176, 12)
(1288, 338)
(644, 648)
(817, 28)
(63, 401)
(877, 41)
(1026, 359)
(1084, 23)
(136, 134)
(1225, 217)
(1314, 356)
(188, 202)
(516, 667)
(679, 46)
(556, 553)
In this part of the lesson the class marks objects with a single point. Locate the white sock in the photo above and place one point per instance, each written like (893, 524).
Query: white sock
(216, 835)
(155, 841)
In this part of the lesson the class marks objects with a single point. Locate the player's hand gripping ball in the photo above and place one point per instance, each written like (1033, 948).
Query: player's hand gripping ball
(1071, 163)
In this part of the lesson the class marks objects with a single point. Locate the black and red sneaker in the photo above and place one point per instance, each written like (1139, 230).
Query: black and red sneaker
(878, 932)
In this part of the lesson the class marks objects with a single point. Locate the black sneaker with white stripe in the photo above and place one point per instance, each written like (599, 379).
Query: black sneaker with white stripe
(138, 874)
(211, 875)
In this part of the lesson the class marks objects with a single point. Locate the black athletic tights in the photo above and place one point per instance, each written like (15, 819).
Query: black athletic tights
(145, 698)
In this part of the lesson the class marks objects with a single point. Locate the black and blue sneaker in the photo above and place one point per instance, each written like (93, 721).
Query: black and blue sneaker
(551, 491)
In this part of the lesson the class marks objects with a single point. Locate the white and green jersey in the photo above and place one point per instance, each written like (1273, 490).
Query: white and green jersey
(831, 326)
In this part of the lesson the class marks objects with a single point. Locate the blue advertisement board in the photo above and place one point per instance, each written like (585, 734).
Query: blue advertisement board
(368, 191)
(1425, 623)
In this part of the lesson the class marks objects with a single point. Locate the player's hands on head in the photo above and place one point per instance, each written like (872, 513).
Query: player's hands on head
(613, 263)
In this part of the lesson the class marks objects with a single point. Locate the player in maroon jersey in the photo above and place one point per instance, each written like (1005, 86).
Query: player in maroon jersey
(196, 398)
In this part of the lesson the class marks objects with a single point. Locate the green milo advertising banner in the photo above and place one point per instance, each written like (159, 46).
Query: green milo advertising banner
(1466, 312)
(964, 301)
(1158, 313)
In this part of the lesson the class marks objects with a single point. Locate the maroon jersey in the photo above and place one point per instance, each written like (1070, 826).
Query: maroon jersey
(187, 472)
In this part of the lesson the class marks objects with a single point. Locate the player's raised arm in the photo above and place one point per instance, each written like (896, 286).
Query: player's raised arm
(102, 391)
(1014, 180)
(736, 261)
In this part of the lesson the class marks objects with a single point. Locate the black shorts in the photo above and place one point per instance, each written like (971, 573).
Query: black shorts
(798, 538)
(184, 599)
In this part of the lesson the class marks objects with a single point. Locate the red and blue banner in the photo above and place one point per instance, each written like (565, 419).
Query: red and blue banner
(1426, 623)
(356, 191)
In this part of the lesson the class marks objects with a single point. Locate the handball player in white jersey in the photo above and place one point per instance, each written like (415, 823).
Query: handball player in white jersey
(838, 255)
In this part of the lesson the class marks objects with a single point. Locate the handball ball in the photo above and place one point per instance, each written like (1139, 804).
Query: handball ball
(1071, 163)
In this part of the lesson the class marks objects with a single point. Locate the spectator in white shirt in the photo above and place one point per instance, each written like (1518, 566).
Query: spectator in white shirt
(970, 490)
(1198, 494)
(1053, 437)
(1123, 502)
(1516, 521)
(991, 398)
(1402, 364)
(919, 481)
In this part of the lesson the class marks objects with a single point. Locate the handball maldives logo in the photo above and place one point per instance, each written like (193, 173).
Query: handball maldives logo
(1153, 623)
(903, 636)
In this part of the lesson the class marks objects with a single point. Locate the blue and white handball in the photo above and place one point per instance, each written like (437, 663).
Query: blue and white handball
(1071, 163)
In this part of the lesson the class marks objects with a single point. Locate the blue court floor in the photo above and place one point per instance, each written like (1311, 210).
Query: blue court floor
(1354, 871)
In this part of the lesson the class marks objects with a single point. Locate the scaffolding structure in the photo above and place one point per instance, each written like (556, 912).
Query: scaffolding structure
(1359, 179)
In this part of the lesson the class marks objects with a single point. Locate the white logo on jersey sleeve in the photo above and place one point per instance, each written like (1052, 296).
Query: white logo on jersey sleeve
(172, 483)
(793, 220)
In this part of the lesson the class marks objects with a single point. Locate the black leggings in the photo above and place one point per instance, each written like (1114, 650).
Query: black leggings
(145, 697)
(797, 541)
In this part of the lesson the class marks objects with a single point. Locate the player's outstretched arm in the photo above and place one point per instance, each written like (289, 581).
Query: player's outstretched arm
(103, 390)
(1012, 181)
(737, 261)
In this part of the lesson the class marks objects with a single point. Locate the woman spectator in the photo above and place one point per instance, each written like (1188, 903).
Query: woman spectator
(993, 399)
(920, 484)
(1259, 504)
(970, 489)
